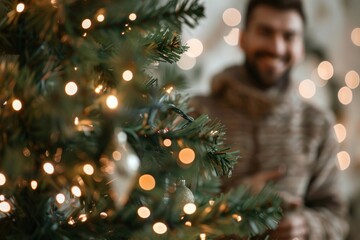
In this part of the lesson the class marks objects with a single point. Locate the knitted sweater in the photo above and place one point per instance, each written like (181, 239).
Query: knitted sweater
(277, 128)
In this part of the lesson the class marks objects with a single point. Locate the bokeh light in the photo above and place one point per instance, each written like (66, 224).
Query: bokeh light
(17, 105)
(127, 75)
(160, 228)
(76, 191)
(143, 212)
(71, 88)
(232, 38)
(88, 169)
(355, 36)
(86, 23)
(325, 70)
(340, 132)
(307, 88)
(112, 102)
(5, 207)
(352, 79)
(187, 156)
(132, 16)
(186, 62)
(167, 142)
(189, 208)
(20, 7)
(48, 168)
(231, 17)
(33, 184)
(60, 198)
(100, 17)
(147, 182)
(344, 160)
(195, 47)
(345, 95)
(2, 179)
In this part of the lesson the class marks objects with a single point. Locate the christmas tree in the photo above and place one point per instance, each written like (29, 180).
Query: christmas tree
(95, 137)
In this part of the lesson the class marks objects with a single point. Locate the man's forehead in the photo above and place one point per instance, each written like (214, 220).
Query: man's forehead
(266, 16)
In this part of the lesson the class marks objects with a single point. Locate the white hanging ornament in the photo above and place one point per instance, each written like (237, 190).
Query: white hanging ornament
(121, 164)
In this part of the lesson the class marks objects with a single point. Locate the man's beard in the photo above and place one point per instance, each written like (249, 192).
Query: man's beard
(281, 83)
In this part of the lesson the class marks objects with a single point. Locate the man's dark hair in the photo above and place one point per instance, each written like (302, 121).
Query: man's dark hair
(296, 5)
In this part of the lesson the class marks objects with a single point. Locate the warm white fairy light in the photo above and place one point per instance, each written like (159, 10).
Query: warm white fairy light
(231, 17)
(345, 95)
(76, 121)
(99, 88)
(307, 89)
(5, 207)
(169, 90)
(188, 223)
(143, 212)
(147, 182)
(17, 105)
(2, 179)
(355, 36)
(325, 70)
(33, 184)
(88, 169)
(237, 217)
(232, 38)
(189, 208)
(127, 75)
(60, 198)
(86, 23)
(71, 221)
(132, 16)
(202, 236)
(344, 160)
(20, 7)
(352, 79)
(187, 156)
(340, 132)
(100, 17)
(195, 47)
(2, 197)
(211, 202)
(82, 217)
(160, 228)
(76, 191)
(103, 215)
(167, 142)
(48, 168)
(71, 88)
(112, 102)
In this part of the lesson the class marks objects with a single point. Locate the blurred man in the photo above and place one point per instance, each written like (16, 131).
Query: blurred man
(282, 139)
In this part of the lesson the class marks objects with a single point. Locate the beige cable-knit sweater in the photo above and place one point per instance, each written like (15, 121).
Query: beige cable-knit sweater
(276, 127)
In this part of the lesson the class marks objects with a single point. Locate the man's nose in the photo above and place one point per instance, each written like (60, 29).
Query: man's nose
(277, 45)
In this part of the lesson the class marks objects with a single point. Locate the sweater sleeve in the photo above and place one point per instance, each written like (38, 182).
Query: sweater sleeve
(325, 209)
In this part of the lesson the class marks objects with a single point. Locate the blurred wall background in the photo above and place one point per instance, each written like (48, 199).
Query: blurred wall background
(328, 76)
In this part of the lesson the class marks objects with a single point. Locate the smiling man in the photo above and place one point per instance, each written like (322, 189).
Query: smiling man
(282, 138)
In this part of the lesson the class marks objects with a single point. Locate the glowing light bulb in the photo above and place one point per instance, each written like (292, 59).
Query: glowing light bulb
(231, 17)
(112, 102)
(88, 169)
(202, 236)
(83, 217)
(167, 142)
(103, 215)
(5, 207)
(189, 208)
(100, 18)
(187, 156)
(127, 75)
(188, 224)
(237, 217)
(2, 179)
(160, 228)
(132, 16)
(86, 23)
(344, 160)
(143, 212)
(76, 191)
(307, 89)
(16, 105)
(71, 88)
(33, 184)
(48, 168)
(147, 182)
(20, 7)
(60, 198)
(99, 88)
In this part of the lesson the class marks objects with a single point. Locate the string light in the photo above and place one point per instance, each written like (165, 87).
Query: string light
(103, 215)
(231, 17)
(76, 121)
(2, 179)
(187, 156)
(340, 132)
(189, 208)
(127, 75)
(88, 169)
(188, 223)
(237, 217)
(20, 7)
(325, 70)
(112, 102)
(202, 236)
(132, 16)
(60, 198)
(48, 168)
(86, 23)
(344, 160)
(169, 90)
(99, 88)
(33, 184)
(76, 191)
(167, 142)
(71, 88)
(143, 212)
(345, 95)
(83, 217)
(100, 17)
(5, 207)
(147, 182)
(307, 89)
(17, 105)
(160, 228)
